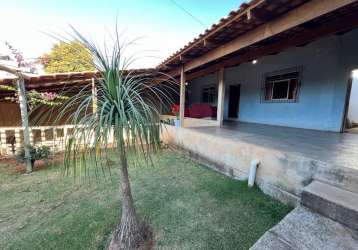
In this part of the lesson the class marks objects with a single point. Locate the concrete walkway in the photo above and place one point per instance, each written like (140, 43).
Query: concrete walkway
(302, 229)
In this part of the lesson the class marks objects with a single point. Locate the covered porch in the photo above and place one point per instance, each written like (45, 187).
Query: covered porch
(292, 68)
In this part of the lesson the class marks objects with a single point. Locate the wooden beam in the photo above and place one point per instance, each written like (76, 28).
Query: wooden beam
(182, 96)
(339, 25)
(293, 18)
(209, 43)
(14, 71)
(212, 31)
(259, 14)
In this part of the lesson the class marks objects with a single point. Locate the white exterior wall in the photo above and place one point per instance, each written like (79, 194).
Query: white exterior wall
(353, 103)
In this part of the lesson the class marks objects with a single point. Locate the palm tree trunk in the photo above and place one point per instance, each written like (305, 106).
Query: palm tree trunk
(131, 233)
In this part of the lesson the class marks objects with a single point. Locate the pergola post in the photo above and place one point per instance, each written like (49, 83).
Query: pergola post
(182, 96)
(25, 122)
(221, 97)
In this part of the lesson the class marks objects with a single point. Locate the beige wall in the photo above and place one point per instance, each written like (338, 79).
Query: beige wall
(43, 116)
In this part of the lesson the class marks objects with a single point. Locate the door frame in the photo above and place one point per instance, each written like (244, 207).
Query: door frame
(346, 105)
(238, 107)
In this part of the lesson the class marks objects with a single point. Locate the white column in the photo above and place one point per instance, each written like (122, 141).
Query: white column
(43, 136)
(31, 136)
(221, 97)
(182, 96)
(54, 139)
(3, 142)
(17, 140)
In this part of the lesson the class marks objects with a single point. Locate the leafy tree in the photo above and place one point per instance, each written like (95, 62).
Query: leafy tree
(127, 111)
(68, 57)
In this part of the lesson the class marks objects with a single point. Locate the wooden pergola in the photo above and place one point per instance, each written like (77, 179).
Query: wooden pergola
(68, 83)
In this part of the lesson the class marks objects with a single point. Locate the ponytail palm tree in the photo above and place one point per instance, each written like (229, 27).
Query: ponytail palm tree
(128, 113)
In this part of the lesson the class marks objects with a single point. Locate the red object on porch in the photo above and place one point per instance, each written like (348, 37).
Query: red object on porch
(202, 110)
(199, 110)
(176, 109)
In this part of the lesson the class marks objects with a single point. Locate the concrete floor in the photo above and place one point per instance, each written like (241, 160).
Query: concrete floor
(333, 148)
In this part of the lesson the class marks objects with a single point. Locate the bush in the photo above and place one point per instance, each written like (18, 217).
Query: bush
(36, 153)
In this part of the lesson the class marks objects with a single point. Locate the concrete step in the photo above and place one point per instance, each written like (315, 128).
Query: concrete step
(335, 203)
(303, 229)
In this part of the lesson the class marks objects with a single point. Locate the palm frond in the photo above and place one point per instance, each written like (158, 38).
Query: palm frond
(127, 121)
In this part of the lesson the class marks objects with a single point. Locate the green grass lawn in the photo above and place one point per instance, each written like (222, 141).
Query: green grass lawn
(188, 205)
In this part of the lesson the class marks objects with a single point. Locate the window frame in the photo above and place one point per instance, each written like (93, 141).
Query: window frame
(265, 81)
(213, 93)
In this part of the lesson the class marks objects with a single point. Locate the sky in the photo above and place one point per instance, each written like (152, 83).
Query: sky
(160, 26)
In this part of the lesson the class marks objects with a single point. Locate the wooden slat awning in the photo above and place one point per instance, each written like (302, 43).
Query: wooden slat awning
(71, 81)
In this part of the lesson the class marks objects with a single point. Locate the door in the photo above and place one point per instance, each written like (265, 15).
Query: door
(234, 101)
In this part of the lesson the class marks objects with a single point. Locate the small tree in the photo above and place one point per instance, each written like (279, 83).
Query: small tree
(128, 110)
(67, 57)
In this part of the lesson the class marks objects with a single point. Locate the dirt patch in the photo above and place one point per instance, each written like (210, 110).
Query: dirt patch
(14, 167)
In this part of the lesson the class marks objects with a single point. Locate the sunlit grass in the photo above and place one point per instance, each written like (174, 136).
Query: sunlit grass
(188, 205)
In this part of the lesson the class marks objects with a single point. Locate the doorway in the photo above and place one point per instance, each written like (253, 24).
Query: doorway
(234, 101)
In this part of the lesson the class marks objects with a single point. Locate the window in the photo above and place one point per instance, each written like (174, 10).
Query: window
(281, 87)
(209, 94)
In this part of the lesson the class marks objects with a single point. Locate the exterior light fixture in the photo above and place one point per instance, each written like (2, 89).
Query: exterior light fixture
(254, 61)
(186, 83)
(355, 73)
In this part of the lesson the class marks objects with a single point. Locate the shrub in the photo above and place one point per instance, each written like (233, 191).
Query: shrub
(36, 153)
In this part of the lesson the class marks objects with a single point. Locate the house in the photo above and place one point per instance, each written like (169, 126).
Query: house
(272, 87)
(283, 64)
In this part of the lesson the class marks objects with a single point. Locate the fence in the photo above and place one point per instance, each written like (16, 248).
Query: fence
(11, 138)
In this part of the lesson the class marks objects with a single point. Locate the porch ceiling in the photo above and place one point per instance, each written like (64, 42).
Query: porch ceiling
(199, 58)
(247, 17)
